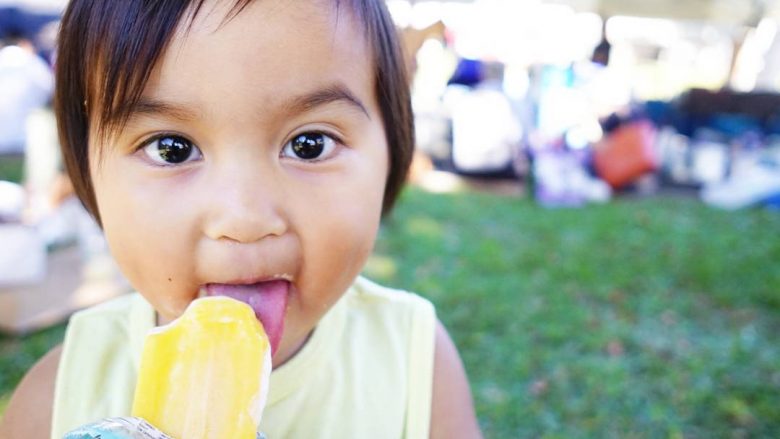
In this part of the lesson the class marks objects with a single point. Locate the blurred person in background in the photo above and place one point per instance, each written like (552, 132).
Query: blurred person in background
(26, 83)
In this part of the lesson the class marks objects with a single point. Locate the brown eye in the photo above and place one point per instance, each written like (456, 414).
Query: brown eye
(171, 150)
(310, 147)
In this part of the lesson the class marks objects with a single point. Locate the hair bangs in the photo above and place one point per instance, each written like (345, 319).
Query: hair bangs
(131, 38)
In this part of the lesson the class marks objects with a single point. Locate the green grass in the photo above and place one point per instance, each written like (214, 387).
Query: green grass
(652, 318)
(12, 168)
(649, 318)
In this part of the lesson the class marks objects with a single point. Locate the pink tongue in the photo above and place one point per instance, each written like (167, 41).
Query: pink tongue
(267, 299)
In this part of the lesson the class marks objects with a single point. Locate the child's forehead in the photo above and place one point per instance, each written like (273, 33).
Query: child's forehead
(210, 16)
(285, 43)
(315, 21)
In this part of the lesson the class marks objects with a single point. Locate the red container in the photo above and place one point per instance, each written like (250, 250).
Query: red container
(626, 154)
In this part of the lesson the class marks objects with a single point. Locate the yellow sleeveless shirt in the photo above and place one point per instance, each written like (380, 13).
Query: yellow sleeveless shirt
(366, 371)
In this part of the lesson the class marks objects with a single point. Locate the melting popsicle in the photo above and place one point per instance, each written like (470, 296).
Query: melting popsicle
(205, 375)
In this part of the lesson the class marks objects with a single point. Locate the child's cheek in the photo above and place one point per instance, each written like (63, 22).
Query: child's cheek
(148, 237)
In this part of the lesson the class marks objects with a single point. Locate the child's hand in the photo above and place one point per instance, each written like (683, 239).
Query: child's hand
(122, 428)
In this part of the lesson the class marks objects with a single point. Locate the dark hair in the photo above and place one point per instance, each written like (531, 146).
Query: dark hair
(107, 50)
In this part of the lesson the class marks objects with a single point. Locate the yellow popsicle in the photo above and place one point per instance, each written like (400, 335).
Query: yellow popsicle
(205, 375)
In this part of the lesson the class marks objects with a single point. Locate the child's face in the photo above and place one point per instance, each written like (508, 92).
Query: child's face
(269, 162)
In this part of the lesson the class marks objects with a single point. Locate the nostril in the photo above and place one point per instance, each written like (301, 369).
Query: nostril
(228, 239)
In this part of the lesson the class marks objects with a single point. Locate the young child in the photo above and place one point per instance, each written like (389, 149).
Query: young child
(249, 149)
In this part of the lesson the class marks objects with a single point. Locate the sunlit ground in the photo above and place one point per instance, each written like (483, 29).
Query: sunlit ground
(641, 318)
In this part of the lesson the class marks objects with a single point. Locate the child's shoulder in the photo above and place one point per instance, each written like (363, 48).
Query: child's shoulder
(98, 361)
(437, 386)
(120, 322)
(29, 412)
(368, 293)
(119, 307)
(381, 305)
(124, 316)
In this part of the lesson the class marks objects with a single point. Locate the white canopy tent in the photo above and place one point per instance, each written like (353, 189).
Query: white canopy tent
(721, 11)
(711, 42)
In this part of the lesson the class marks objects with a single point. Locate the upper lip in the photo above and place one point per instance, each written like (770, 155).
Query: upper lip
(255, 280)
(202, 292)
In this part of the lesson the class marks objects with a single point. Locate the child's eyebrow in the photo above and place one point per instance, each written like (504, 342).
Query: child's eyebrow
(330, 94)
(147, 106)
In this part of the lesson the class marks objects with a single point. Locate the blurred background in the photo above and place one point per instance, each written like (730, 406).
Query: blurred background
(593, 207)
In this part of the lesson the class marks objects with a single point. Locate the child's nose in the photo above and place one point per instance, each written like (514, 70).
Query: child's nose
(244, 207)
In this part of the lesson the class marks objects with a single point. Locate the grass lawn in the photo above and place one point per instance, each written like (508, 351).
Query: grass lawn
(11, 168)
(642, 318)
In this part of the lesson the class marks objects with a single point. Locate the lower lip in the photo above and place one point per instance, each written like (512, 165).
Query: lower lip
(267, 299)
